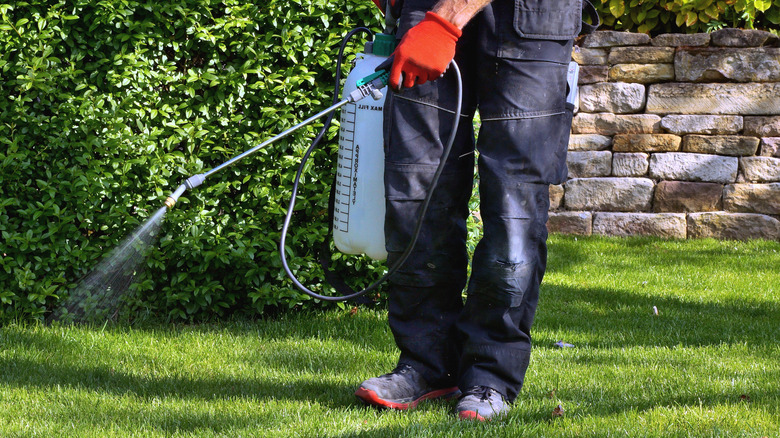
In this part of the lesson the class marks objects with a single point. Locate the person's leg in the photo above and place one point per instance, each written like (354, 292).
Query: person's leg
(425, 293)
(522, 145)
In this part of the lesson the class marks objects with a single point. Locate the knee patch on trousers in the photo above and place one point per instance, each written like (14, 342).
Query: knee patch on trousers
(502, 283)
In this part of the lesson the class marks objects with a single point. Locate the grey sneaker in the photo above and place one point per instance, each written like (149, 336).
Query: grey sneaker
(401, 389)
(481, 403)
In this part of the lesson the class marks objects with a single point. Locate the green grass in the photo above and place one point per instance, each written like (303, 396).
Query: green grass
(707, 365)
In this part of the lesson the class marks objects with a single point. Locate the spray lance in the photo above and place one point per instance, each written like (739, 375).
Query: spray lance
(369, 85)
(357, 198)
(372, 88)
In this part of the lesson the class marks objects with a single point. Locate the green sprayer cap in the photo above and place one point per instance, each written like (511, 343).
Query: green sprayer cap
(384, 44)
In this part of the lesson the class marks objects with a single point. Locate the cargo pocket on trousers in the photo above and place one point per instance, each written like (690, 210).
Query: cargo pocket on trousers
(548, 19)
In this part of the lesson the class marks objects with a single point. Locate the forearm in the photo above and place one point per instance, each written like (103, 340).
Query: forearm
(459, 12)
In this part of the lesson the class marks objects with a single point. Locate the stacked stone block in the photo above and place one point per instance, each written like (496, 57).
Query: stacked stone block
(675, 136)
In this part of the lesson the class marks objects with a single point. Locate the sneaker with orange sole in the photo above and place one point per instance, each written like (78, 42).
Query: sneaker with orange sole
(401, 389)
(481, 403)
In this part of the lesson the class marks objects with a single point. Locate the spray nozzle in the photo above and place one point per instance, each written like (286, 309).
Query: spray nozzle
(190, 183)
(171, 200)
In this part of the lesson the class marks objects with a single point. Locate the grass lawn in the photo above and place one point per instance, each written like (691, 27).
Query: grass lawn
(707, 365)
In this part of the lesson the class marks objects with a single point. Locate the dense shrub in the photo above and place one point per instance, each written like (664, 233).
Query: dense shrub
(691, 16)
(107, 106)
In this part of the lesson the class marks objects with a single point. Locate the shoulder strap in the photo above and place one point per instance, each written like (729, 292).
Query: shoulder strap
(590, 10)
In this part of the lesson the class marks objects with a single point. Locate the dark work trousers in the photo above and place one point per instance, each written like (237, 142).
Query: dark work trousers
(513, 57)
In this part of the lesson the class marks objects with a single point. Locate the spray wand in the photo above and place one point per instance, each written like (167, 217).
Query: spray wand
(371, 87)
(368, 86)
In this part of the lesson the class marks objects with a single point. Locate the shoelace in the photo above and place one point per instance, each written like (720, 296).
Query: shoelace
(400, 369)
(483, 392)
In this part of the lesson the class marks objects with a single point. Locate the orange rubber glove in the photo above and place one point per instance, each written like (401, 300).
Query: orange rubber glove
(424, 52)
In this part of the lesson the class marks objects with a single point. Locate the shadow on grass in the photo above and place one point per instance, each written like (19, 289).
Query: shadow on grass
(60, 362)
(614, 318)
(106, 379)
(625, 317)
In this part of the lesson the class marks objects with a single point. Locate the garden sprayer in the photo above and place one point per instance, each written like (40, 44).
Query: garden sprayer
(356, 204)
(357, 200)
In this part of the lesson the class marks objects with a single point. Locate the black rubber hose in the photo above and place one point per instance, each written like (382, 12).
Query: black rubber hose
(420, 214)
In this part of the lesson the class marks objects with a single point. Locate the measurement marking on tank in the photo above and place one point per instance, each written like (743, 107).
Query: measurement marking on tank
(346, 169)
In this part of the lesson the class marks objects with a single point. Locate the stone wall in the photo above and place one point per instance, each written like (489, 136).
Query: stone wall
(675, 136)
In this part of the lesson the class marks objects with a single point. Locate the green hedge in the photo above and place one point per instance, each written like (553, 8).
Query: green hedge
(688, 16)
(107, 106)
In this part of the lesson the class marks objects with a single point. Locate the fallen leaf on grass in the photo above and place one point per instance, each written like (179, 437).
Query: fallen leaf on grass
(744, 397)
(558, 411)
(551, 394)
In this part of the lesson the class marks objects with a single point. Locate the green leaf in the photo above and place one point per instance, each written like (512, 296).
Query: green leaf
(762, 5)
(691, 18)
(617, 8)
(773, 15)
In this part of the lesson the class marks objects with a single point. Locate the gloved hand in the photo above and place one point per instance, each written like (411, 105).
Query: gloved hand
(424, 52)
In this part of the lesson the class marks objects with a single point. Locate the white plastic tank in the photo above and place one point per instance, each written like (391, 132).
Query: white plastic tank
(359, 211)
